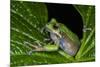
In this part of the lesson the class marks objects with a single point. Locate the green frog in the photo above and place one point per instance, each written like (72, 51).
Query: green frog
(62, 37)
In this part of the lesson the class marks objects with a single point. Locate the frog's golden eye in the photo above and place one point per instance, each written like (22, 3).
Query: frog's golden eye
(56, 26)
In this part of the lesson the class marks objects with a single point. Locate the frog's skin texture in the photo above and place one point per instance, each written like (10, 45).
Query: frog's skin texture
(63, 37)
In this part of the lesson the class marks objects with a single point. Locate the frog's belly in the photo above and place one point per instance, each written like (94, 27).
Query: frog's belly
(68, 47)
(54, 38)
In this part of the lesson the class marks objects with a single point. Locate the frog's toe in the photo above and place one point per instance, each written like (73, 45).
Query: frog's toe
(30, 52)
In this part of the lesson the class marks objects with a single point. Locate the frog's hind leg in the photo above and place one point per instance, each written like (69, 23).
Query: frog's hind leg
(37, 49)
(47, 47)
(71, 58)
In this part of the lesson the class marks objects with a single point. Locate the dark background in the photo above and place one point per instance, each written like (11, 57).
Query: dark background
(66, 14)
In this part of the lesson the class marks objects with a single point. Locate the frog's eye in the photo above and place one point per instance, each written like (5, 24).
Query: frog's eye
(56, 26)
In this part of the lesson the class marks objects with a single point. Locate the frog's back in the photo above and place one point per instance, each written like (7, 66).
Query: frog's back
(68, 45)
(70, 34)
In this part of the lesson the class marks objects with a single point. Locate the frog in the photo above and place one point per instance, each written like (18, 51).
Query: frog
(62, 37)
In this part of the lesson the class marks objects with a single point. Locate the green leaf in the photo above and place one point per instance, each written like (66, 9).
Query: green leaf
(28, 20)
(87, 49)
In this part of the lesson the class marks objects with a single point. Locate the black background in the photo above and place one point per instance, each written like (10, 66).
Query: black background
(66, 14)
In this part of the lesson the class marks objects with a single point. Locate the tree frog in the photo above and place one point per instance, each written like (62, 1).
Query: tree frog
(62, 37)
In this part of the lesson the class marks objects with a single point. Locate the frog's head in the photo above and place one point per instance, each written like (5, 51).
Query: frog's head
(53, 27)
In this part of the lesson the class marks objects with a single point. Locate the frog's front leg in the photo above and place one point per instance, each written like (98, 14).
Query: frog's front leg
(47, 47)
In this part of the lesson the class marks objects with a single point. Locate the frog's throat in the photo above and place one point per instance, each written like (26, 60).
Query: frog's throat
(55, 32)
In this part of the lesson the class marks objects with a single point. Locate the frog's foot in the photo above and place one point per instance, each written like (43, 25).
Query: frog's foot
(30, 52)
(47, 39)
(86, 29)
